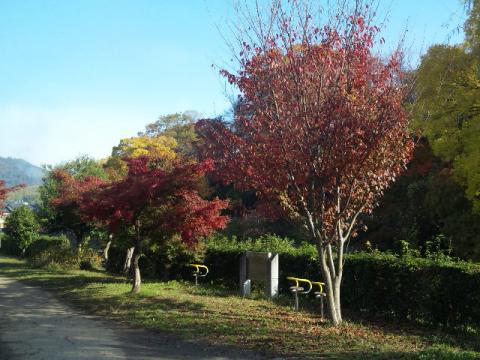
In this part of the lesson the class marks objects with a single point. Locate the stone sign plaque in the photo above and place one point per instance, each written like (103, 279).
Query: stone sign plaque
(258, 264)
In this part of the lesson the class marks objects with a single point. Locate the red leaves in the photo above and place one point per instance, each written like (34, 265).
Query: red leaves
(4, 192)
(161, 201)
(319, 127)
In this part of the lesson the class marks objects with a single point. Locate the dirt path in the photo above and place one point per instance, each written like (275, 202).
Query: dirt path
(34, 325)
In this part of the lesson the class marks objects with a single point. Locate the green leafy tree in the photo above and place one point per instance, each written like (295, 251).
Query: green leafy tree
(54, 218)
(21, 227)
(472, 28)
(424, 205)
(447, 106)
(179, 126)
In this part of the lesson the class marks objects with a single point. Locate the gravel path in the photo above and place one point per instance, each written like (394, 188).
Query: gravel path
(34, 325)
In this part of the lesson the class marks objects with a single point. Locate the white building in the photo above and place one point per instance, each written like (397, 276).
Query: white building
(3, 216)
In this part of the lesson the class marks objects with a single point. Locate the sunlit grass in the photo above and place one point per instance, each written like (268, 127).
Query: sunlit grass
(218, 316)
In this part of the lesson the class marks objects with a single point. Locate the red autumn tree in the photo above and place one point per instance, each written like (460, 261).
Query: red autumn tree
(68, 199)
(320, 128)
(155, 203)
(4, 192)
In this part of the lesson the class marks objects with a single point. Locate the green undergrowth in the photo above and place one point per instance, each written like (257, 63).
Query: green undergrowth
(217, 316)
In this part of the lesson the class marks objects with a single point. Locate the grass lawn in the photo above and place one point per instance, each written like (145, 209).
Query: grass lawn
(218, 316)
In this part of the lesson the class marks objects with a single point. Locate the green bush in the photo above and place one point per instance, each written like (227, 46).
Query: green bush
(45, 242)
(263, 243)
(57, 258)
(89, 259)
(56, 252)
(21, 227)
(168, 262)
(9, 246)
(436, 290)
(222, 255)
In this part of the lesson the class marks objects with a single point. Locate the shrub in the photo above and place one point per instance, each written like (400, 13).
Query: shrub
(264, 243)
(45, 242)
(437, 290)
(168, 262)
(57, 258)
(21, 227)
(10, 246)
(89, 259)
(55, 252)
(223, 255)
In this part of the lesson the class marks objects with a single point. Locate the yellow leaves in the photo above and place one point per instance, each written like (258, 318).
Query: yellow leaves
(161, 147)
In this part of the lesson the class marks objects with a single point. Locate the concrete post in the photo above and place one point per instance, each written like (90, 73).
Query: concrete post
(245, 285)
(272, 280)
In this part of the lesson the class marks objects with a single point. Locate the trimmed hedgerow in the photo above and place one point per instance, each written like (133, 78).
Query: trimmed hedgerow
(436, 290)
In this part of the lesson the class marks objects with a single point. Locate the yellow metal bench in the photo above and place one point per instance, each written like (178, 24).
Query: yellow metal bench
(319, 294)
(200, 271)
(297, 289)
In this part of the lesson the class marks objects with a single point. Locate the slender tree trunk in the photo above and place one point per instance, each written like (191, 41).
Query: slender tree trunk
(137, 280)
(137, 252)
(333, 279)
(128, 260)
(338, 280)
(329, 288)
(107, 248)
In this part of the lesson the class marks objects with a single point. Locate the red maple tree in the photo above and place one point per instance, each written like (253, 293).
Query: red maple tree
(68, 200)
(154, 203)
(320, 128)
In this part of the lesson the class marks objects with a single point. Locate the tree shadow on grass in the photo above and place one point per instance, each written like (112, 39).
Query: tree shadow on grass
(465, 338)
(193, 320)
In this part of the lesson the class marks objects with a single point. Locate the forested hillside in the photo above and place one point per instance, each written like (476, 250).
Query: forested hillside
(18, 171)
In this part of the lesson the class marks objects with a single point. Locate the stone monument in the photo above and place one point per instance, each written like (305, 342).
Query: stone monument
(259, 267)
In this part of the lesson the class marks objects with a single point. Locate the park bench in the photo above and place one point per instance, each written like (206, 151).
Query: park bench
(200, 271)
(320, 294)
(297, 289)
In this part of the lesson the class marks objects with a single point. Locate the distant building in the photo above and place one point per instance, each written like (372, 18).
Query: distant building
(3, 216)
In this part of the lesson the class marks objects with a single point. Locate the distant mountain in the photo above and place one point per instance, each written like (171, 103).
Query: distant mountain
(18, 171)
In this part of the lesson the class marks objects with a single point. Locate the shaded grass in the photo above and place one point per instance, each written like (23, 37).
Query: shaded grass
(217, 316)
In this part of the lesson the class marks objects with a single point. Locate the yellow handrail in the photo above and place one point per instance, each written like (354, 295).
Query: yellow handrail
(198, 267)
(320, 285)
(299, 280)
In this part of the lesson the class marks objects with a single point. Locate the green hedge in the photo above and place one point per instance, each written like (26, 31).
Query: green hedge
(437, 291)
(9, 246)
(168, 263)
(46, 242)
(40, 243)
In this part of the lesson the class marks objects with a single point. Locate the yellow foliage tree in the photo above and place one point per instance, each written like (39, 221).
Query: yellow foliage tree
(160, 147)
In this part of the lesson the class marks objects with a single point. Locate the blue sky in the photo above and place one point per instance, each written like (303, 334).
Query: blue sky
(78, 75)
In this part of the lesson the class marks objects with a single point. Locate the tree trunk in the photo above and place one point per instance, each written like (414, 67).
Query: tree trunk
(333, 278)
(128, 260)
(137, 280)
(137, 252)
(107, 248)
